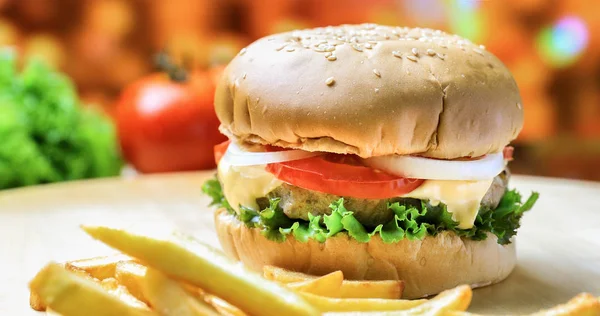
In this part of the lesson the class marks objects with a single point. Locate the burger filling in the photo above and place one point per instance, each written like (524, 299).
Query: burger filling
(309, 203)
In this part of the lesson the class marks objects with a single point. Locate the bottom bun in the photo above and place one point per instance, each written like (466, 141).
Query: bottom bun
(427, 266)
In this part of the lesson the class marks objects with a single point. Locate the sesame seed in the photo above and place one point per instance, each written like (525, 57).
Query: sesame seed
(243, 51)
(329, 48)
(411, 57)
(519, 106)
(430, 52)
(357, 47)
(328, 54)
(397, 54)
(372, 42)
(290, 49)
(330, 81)
(332, 58)
(482, 46)
(244, 76)
(281, 46)
(377, 73)
(443, 45)
(478, 51)
(376, 90)
(368, 46)
(440, 56)
(415, 51)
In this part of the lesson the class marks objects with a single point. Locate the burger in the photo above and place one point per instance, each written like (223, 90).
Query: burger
(375, 150)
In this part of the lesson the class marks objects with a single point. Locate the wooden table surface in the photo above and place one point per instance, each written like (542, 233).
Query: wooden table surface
(558, 244)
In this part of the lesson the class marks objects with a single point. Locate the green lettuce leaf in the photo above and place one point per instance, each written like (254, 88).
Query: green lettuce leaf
(46, 135)
(410, 222)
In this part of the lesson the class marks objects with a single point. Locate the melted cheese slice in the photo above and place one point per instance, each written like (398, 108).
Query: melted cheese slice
(242, 185)
(462, 198)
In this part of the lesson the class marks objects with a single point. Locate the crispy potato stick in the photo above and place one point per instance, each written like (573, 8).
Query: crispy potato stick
(99, 267)
(220, 305)
(327, 304)
(328, 285)
(583, 304)
(50, 312)
(350, 289)
(69, 294)
(35, 302)
(131, 275)
(187, 259)
(391, 289)
(282, 275)
(223, 307)
(169, 298)
(456, 299)
(113, 287)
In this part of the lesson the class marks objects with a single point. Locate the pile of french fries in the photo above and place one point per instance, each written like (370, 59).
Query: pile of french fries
(172, 274)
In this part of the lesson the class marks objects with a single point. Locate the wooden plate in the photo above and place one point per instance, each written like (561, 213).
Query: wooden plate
(558, 243)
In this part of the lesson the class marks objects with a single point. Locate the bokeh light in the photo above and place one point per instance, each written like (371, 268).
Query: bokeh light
(466, 19)
(561, 44)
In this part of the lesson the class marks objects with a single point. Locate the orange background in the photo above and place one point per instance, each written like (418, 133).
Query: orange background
(106, 44)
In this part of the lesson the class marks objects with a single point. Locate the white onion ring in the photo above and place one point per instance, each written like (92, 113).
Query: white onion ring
(484, 168)
(236, 156)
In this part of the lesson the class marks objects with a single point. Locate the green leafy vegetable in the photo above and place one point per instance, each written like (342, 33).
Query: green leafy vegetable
(413, 223)
(46, 136)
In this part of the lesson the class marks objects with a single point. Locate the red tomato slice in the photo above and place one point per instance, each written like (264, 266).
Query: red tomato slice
(342, 175)
(220, 150)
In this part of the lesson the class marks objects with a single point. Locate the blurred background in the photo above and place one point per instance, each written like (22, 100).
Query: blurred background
(107, 47)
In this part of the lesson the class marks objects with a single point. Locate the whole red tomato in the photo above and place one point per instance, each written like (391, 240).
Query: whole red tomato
(166, 125)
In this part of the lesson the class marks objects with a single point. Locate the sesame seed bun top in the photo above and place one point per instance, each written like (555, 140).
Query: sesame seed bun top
(370, 90)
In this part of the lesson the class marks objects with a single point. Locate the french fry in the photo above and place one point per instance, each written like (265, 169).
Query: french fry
(223, 307)
(50, 312)
(282, 275)
(583, 304)
(35, 301)
(169, 298)
(131, 275)
(99, 267)
(327, 304)
(327, 285)
(456, 299)
(390, 289)
(69, 294)
(189, 260)
(112, 286)
(350, 289)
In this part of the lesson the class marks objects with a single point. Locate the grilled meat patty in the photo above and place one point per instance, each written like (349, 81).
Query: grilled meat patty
(297, 202)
